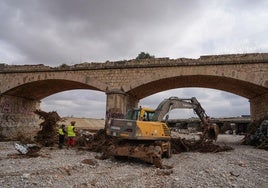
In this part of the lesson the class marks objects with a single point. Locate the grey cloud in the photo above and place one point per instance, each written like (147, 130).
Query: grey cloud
(56, 32)
(52, 32)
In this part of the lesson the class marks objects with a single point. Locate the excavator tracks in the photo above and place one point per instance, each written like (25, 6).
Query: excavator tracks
(150, 153)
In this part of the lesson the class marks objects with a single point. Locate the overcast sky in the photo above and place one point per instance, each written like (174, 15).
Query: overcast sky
(55, 32)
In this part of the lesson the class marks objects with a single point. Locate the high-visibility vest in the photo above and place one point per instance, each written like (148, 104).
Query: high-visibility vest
(61, 131)
(70, 131)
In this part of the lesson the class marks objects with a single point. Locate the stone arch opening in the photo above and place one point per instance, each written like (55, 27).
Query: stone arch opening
(235, 86)
(18, 104)
(257, 94)
(216, 103)
(38, 90)
(79, 103)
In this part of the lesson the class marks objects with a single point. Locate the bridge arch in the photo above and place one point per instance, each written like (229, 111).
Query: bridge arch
(239, 87)
(18, 103)
(60, 81)
(38, 90)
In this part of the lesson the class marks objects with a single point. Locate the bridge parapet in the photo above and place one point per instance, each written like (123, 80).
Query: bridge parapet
(152, 62)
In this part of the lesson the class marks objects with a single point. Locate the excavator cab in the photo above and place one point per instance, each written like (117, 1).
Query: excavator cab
(141, 114)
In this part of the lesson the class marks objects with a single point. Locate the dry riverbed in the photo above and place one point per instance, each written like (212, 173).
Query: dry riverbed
(242, 167)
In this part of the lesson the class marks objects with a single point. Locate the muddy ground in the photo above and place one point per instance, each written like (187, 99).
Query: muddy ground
(242, 167)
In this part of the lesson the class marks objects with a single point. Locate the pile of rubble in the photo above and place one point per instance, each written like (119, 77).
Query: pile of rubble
(258, 135)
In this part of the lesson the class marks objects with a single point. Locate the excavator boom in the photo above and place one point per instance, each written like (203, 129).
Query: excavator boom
(173, 103)
(210, 131)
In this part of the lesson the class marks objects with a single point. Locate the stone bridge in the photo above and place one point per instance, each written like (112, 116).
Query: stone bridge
(126, 82)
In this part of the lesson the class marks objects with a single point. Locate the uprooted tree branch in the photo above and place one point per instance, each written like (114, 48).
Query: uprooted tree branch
(258, 134)
(48, 135)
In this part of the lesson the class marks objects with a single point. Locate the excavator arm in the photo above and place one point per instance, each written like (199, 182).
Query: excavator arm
(171, 103)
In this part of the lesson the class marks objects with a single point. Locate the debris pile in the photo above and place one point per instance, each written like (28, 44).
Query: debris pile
(83, 137)
(179, 145)
(100, 142)
(48, 135)
(258, 135)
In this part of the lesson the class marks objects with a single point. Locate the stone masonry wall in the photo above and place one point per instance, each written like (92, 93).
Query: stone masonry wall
(259, 107)
(17, 117)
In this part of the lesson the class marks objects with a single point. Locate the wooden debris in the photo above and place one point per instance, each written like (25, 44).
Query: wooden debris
(48, 135)
(257, 135)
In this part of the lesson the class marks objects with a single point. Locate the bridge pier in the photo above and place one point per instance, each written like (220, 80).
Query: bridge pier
(259, 107)
(17, 116)
(118, 102)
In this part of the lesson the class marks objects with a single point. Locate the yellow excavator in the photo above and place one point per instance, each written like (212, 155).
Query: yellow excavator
(144, 133)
